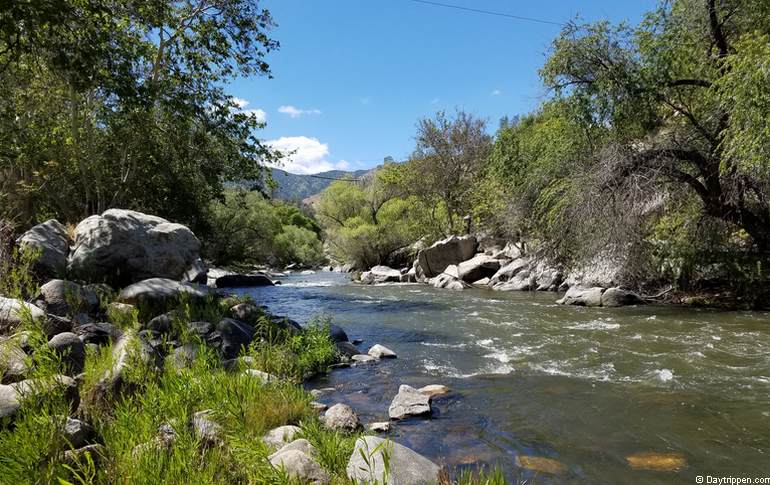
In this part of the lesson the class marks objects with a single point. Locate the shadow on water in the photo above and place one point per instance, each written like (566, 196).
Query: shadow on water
(586, 387)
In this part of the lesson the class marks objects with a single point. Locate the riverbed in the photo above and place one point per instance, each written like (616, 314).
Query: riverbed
(585, 386)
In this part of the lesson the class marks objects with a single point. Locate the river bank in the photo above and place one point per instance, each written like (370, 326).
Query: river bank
(588, 387)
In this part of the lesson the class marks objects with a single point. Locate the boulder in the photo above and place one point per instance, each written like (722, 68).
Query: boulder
(14, 362)
(96, 333)
(379, 427)
(508, 271)
(235, 335)
(547, 278)
(367, 464)
(300, 467)
(242, 281)
(409, 402)
(247, 313)
(341, 417)
(381, 274)
(301, 444)
(12, 395)
(522, 281)
(278, 437)
(71, 350)
(206, 429)
(481, 282)
(448, 281)
(605, 269)
(261, 376)
(61, 297)
(363, 359)
(479, 266)
(381, 352)
(614, 297)
(13, 312)
(452, 250)
(121, 247)
(125, 347)
(51, 241)
(197, 273)
(347, 349)
(158, 295)
(337, 333)
(77, 432)
(582, 296)
(183, 356)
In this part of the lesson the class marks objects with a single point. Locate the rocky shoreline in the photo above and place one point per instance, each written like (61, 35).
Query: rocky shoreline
(460, 262)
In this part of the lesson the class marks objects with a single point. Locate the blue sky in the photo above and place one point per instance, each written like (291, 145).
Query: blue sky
(352, 77)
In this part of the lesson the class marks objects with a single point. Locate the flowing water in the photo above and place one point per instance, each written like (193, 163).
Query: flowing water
(585, 386)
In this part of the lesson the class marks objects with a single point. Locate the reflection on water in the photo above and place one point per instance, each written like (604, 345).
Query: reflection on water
(585, 386)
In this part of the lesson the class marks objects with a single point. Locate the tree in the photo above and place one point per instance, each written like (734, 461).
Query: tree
(667, 92)
(108, 103)
(447, 160)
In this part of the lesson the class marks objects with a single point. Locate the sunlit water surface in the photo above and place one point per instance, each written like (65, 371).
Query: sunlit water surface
(585, 386)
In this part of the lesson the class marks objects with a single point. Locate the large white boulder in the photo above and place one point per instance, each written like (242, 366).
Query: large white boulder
(582, 296)
(479, 266)
(13, 312)
(452, 250)
(123, 246)
(381, 274)
(51, 242)
(404, 466)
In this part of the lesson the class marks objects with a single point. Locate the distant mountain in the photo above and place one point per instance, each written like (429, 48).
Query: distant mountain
(294, 187)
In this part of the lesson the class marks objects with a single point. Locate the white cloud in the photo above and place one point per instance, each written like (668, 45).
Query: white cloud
(241, 104)
(496, 92)
(434, 101)
(295, 112)
(304, 155)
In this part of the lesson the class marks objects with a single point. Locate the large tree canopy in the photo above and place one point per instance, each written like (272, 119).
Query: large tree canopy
(108, 103)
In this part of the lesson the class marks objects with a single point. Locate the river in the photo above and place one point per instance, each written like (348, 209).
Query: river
(585, 386)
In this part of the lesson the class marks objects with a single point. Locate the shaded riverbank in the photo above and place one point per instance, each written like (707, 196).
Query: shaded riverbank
(585, 386)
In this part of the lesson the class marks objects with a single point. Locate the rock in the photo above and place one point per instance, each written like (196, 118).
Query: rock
(347, 349)
(541, 464)
(434, 390)
(12, 395)
(322, 391)
(405, 467)
(122, 247)
(318, 406)
(202, 329)
(197, 273)
(606, 269)
(615, 297)
(479, 266)
(235, 336)
(301, 444)
(381, 352)
(96, 333)
(77, 432)
(161, 323)
(381, 274)
(341, 417)
(63, 298)
(51, 241)
(14, 362)
(158, 295)
(379, 427)
(184, 356)
(247, 313)
(582, 296)
(446, 280)
(299, 466)
(278, 437)
(112, 383)
(54, 325)
(242, 281)
(13, 312)
(363, 359)
(452, 250)
(262, 376)
(306, 272)
(509, 271)
(205, 429)
(409, 402)
(120, 310)
(77, 457)
(481, 282)
(522, 281)
(71, 350)
(337, 334)
(657, 461)
(547, 278)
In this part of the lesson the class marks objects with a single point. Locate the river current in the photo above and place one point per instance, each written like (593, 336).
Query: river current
(587, 387)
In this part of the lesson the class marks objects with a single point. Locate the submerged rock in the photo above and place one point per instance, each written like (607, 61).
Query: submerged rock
(409, 402)
(434, 390)
(657, 461)
(367, 464)
(541, 464)
(363, 359)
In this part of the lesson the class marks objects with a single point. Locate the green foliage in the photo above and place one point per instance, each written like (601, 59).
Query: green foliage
(122, 104)
(17, 275)
(247, 228)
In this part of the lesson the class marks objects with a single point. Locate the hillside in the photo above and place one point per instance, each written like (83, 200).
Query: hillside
(294, 187)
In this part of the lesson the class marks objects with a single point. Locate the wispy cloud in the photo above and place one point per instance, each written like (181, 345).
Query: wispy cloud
(434, 101)
(295, 112)
(304, 155)
(496, 92)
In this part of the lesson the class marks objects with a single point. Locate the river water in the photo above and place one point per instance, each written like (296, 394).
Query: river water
(585, 386)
